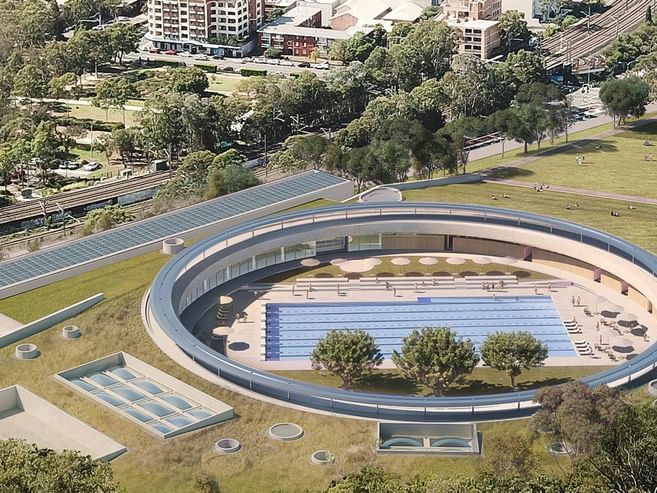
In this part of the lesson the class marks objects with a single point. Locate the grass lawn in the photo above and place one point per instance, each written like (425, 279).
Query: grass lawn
(615, 164)
(415, 268)
(638, 225)
(546, 145)
(112, 115)
(482, 380)
(224, 83)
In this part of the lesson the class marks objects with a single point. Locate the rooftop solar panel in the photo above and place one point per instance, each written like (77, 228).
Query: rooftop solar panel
(132, 235)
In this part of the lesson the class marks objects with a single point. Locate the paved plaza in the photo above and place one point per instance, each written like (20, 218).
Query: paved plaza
(247, 327)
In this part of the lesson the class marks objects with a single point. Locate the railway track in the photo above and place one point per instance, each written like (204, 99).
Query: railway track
(79, 198)
(586, 38)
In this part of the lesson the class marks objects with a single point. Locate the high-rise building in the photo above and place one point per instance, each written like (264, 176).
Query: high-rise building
(214, 27)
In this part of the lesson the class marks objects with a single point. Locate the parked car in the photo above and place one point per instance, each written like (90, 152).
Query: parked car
(152, 49)
(229, 69)
(201, 57)
(185, 53)
(91, 166)
(321, 66)
(304, 65)
(170, 52)
(63, 165)
(218, 57)
(72, 165)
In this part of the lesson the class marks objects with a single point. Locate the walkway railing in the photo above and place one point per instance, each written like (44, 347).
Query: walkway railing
(180, 272)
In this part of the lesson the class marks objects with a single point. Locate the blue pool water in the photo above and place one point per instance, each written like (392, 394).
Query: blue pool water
(293, 329)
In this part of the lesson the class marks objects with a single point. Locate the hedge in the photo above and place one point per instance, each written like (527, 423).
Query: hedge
(249, 72)
(207, 68)
(101, 126)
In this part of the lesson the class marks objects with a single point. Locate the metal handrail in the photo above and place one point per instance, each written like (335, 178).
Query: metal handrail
(382, 406)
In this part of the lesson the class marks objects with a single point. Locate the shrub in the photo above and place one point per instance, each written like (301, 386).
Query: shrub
(250, 72)
(207, 68)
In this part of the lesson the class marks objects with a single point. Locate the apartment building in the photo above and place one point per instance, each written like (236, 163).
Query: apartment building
(473, 10)
(205, 26)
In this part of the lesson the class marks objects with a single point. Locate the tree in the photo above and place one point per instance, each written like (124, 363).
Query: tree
(231, 178)
(188, 79)
(192, 176)
(89, 50)
(113, 93)
(123, 38)
(627, 454)
(30, 82)
(125, 141)
(578, 415)
(163, 128)
(513, 30)
(228, 158)
(512, 352)
(349, 354)
(624, 97)
(273, 52)
(106, 145)
(45, 143)
(7, 164)
(528, 124)
(435, 357)
(27, 468)
(522, 67)
(468, 88)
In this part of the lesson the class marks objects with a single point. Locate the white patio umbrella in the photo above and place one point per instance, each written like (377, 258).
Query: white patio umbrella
(374, 261)
(355, 266)
(338, 261)
(627, 319)
(399, 261)
(428, 260)
(482, 260)
(310, 262)
(455, 261)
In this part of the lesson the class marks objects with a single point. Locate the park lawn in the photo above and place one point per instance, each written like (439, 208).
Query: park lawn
(153, 465)
(481, 381)
(638, 225)
(615, 164)
(514, 155)
(112, 115)
(415, 268)
(224, 83)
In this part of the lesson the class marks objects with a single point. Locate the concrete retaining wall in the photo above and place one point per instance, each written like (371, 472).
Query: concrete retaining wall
(48, 321)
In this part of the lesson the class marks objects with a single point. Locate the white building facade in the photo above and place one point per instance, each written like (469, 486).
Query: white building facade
(205, 26)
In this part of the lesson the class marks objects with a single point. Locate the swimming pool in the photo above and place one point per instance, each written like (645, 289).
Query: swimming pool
(293, 329)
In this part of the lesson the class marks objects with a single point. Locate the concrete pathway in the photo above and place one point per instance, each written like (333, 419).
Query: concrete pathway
(8, 324)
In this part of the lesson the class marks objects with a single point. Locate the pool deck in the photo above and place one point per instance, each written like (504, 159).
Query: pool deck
(244, 340)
